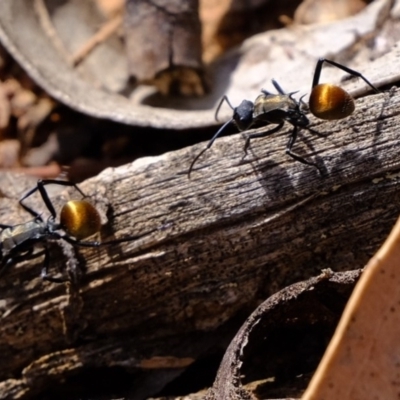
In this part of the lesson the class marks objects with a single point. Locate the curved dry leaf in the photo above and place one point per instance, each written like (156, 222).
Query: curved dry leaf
(366, 343)
(283, 339)
(288, 55)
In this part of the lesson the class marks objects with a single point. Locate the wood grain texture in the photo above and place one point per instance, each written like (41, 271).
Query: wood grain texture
(211, 247)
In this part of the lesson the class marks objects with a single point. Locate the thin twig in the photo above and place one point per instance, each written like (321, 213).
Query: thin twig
(45, 21)
(99, 37)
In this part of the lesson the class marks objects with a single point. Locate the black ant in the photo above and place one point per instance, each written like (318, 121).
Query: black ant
(327, 101)
(79, 219)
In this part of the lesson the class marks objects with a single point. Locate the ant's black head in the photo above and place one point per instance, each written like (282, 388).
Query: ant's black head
(243, 115)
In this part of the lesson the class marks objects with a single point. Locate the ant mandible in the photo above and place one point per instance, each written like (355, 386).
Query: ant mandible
(327, 101)
(79, 219)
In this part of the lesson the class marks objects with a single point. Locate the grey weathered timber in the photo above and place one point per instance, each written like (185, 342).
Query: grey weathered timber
(211, 246)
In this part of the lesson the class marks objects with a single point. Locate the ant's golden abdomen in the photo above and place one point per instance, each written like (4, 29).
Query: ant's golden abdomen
(330, 102)
(80, 219)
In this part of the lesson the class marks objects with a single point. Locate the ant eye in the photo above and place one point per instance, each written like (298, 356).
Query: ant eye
(330, 102)
(245, 121)
(80, 219)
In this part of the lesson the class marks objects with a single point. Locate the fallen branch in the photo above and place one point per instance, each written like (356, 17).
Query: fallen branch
(210, 247)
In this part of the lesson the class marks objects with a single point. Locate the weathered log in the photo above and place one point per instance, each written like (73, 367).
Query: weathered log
(209, 247)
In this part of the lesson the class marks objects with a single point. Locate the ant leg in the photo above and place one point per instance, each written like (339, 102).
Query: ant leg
(46, 264)
(12, 258)
(45, 197)
(5, 262)
(295, 156)
(81, 243)
(224, 98)
(242, 116)
(27, 208)
(210, 143)
(318, 68)
(46, 267)
(260, 135)
(52, 279)
(278, 87)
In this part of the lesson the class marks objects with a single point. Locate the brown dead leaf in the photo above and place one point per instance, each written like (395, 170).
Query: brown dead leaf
(275, 350)
(288, 55)
(9, 153)
(35, 113)
(363, 358)
(22, 101)
(317, 11)
(50, 171)
(4, 107)
(211, 14)
(110, 8)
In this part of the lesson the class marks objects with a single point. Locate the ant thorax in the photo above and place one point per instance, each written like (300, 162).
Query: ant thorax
(274, 108)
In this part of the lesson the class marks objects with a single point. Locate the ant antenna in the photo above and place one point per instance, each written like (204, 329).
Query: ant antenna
(224, 98)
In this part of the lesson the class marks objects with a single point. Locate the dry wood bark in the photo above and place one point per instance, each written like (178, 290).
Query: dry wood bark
(210, 248)
(164, 45)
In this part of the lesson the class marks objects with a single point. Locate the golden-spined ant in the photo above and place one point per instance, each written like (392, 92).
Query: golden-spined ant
(79, 219)
(327, 101)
